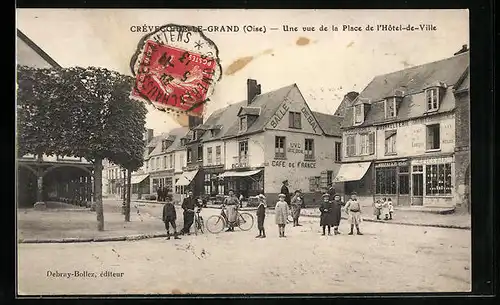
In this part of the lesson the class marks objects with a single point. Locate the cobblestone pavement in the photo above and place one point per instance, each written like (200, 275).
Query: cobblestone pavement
(387, 258)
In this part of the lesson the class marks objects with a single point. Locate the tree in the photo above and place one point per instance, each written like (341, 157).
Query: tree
(81, 112)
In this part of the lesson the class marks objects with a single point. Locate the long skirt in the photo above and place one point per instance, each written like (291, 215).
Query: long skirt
(355, 218)
(231, 213)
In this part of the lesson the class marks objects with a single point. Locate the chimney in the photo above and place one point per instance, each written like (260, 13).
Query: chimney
(462, 50)
(148, 135)
(253, 89)
(195, 121)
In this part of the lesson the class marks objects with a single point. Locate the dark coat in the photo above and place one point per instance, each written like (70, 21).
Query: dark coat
(336, 211)
(327, 217)
(261, 211)
(332, 192)
(286, 192)
(188, 203)
(169, 211)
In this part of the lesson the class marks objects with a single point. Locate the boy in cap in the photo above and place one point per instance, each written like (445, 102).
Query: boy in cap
(261, 214)
(169, 217)
(353, 209)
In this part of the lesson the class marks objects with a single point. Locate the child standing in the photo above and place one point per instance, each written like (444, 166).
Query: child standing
(281, 214)
(377, 206)
(385, 209)
(353, 210)
(169, 217)
(391, 208)
(336, 213)
(326, 219)
(261, 214)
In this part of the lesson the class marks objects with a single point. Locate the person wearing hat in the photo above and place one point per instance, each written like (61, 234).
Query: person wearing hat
(281, 214)
(231, 205)
(261, 215)
(353, 210)
(286, 192)
(326, 219)
(296, 204)
(331, 191)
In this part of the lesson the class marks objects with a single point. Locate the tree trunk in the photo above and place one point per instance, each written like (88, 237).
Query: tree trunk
(127, 205)
(98, 193)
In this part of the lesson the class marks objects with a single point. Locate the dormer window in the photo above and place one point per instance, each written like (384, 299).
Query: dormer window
(213, 132)
(194, 135)
(359, 114)
(390, 107)
(432, 99)
(243, 123)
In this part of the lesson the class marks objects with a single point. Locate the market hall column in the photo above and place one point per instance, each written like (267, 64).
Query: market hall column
(39, 204)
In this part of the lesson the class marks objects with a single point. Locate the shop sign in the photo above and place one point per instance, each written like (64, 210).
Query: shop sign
(295, 148)
(433, 161)
(392, 164)
(299, 164)
(310, 118)
(239, 165)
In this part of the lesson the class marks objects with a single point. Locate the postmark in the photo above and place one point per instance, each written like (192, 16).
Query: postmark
(176, 68)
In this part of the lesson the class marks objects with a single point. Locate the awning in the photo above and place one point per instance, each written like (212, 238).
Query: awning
(138, 178)
(352, 171)
(186, 178)
(239, 174)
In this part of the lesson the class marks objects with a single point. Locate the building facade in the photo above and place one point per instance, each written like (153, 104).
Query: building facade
(400, 136)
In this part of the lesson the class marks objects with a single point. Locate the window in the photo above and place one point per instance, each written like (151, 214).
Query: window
(432, 98)
(351, 145)
(438, 179)
(338, 151)
(194, 135)
(279, 147)
(164, 146)
(164, 161)
(433, 137)
(243, 151)
(209, 155)
(385, 180)
(309, 149)
(390, 142)
(295, 120)
(390, 108)
(314, 183)
(171, 161)
(367, 143)
(189, 155)
(243, 123)
(200, 153)
(213, 132)
(404, 180)
(358, 114)
(217, 154)
(329, 177)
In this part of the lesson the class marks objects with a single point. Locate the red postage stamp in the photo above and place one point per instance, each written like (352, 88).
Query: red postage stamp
(175, 72)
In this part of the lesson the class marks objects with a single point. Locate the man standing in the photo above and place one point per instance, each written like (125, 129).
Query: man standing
(188, 206)
(158, 194)
(286, 192)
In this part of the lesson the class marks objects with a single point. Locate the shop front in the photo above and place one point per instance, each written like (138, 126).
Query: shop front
(185, 181)
(212, 184)
(244, 182)
(140, 185)
(432, 181)
(392, 181)
(355, 177)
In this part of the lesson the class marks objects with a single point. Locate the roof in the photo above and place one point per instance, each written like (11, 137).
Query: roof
(223, 118)
(268, 103)
(450, 71)
(38, 50)
(174, 135)
(249, 110)
(329, 123)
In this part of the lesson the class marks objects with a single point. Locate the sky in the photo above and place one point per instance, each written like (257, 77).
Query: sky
(325, 65)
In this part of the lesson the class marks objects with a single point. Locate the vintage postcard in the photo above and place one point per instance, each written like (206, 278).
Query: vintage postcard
(242, 151)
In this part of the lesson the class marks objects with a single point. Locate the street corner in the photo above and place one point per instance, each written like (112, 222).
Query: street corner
(176, 69)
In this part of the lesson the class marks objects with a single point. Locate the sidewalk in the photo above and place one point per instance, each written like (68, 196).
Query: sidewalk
(400, 217)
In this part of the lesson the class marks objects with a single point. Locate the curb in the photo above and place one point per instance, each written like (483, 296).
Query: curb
(89, 239)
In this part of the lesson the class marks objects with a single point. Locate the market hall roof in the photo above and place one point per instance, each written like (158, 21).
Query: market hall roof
(451, 72)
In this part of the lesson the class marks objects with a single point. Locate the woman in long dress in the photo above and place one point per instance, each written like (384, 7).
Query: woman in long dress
(296, 206)
(281, 213)
(231, 203)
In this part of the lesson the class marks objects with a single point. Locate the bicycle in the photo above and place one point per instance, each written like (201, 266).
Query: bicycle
(217, 223)
(198, 221)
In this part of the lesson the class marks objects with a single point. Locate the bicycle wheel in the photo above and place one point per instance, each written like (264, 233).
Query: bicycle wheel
(215, 224)
(245, 221)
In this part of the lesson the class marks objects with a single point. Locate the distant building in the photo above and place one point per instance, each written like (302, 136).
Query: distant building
(406, 136)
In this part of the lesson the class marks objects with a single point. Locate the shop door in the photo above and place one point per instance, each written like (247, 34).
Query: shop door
(417, 185)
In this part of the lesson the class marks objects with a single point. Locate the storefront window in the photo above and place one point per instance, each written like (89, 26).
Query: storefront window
(385, 180)
(438, 179)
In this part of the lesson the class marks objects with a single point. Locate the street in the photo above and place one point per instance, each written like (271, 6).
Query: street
(387, 258)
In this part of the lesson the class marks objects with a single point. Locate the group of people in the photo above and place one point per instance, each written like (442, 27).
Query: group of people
(162, 193)
(383, 208)
(330, 210)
